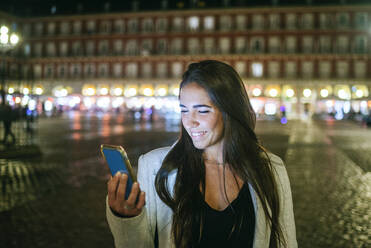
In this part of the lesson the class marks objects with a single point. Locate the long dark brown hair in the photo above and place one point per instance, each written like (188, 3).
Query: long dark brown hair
(241, 151)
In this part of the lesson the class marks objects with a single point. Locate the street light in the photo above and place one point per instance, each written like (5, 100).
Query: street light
(7, 42)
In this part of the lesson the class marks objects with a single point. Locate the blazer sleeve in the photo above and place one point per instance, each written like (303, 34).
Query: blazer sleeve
(286, 217)
(136, 231)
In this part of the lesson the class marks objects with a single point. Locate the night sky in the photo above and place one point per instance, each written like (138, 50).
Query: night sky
(44, 7)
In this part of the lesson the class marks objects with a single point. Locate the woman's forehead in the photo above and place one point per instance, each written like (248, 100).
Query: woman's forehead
(193, 92)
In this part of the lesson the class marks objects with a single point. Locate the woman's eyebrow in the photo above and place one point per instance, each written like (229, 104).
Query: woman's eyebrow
(196, 106)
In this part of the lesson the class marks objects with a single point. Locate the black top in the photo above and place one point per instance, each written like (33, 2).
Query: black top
(218, 224)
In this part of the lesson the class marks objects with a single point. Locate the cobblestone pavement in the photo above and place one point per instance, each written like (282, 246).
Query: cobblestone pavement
(58, 200)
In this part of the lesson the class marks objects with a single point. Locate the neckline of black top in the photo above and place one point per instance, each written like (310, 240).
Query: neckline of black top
(233, 203)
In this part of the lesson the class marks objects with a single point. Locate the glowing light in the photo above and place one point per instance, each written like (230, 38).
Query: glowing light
(117, 91)
(324, 93)
(283, 120)
(25, 100)
(39, 91)
(161, 92)
(4, 30)
(290, 92)
(359, 93)
(193, 22)
(346, 107)
(307, 92)
(343, 94)
(32, 105)
(256, 92)
(18, 99)
(176, 91)
(89, 91)
(11, 90)
(4, 38)
(270, 109)
(88, 102)
(148, 92)
(74, 101)
(130, 92)
(103, 102)
(117, 102)
(48, 105)
(64, 92)
(103, 91)
(257, 69)
(14, 39)
(26, 91)
(273, 92)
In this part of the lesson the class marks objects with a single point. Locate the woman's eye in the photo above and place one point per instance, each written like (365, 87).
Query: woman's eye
(183, 111)
(203, 111)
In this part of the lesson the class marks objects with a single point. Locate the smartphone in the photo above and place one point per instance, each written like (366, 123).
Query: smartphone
(118, 161)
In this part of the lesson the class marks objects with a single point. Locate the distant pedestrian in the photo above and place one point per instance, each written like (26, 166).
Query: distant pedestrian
(7, 117)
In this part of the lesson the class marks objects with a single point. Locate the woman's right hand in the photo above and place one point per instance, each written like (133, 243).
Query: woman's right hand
(116, 196)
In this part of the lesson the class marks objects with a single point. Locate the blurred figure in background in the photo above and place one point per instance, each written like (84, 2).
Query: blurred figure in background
(6, 114)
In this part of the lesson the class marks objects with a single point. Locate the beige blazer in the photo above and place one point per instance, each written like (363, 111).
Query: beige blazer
(139, 231)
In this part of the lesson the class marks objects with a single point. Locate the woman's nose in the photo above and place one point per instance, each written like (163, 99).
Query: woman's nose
(190, 122)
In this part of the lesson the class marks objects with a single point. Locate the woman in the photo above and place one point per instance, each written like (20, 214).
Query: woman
(216, 186)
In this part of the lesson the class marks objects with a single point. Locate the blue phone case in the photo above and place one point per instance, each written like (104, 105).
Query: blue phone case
(116, 163)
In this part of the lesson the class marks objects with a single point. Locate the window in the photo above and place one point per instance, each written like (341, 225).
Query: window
(146, 48)
(324, 69)
(225, 23)
(117, 70)
(49, 71)
(291, 44)
(103, 70)
(274, 21)
(240, 44)
(193, 46)
(241, 68)
(257, 69)
(38, 49)
(361, 20)
(103, 47)
(307, 44)
(90, 26)
(161, 25)
(119, 26)
(62, 70)
(178, 24)
(133, 26)
(161, 46)
(361, 44)
(162, 70)
(307, 21)
(177, 46)
(27, 49)
(325, 44)
(105, 27)
(89, 70)
(177, 69)
(193, 23)
(131, 47)
(209, 23)
(65, 28)
(257, 45)
(90, 47)
(290, 69)
(291, 21)
(51, 28)
(76, 48)
(37, 70)
(342, 69)
(274, 44)
(342, 44)
(131, 70)
(273, 69)
(50, 49)
(39, 28)
(75, 70)
(307, 69)
(27, 29)
(241, 22)
(360, 69)
(325, 21)
(146, 70)
(342, 20)
(258, 22)
(118, 47)
(147, 25)
(224, 45)
(77, 27)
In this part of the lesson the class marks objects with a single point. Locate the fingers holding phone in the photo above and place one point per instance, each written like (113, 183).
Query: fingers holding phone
(130, 207)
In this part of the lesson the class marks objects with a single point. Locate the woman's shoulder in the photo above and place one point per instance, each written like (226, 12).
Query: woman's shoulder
(275, 160)
(154, 158)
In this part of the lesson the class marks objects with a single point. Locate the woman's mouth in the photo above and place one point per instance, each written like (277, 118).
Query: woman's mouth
(198, 134)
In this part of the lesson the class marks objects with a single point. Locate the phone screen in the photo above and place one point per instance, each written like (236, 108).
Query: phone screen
(116, 163)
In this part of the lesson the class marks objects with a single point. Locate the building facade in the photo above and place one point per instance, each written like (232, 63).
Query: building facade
(304, 59)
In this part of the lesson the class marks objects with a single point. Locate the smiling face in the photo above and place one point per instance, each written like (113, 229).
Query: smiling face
(202, 120)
